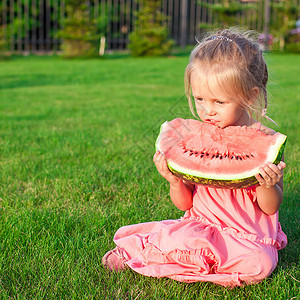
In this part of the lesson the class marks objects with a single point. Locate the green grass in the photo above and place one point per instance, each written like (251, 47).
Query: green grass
(76, 144)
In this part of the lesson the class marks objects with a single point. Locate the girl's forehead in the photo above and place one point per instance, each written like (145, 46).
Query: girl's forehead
(204, 84)
(215, 82)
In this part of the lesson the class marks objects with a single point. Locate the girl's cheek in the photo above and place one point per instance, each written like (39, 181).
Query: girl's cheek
(200, 112)
(199, 109)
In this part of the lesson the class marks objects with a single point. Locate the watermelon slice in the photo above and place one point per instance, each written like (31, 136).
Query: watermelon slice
(205, 154)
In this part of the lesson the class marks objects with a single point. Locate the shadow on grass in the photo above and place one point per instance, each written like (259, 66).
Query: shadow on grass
(37, 80)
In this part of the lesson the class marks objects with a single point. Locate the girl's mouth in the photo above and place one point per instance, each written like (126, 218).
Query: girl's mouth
(212, 122)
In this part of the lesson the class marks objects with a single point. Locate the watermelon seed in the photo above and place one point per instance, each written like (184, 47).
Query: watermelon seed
(202, 155)
(213, 156)
(221, 157)
(247, 156)
(217, 155)
(237, 157)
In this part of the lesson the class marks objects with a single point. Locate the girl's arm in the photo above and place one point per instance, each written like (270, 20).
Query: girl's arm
(270, 192)
(181, 193)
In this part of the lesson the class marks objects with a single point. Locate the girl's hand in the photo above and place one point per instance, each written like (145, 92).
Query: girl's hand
(162, 168)
(270, 174)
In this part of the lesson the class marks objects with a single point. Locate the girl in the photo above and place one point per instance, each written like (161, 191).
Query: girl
(229, 237)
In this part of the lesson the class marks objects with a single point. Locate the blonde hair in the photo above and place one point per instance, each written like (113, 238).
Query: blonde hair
(232, 59)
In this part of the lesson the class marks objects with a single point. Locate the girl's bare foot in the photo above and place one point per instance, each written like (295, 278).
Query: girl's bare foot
(114, 260)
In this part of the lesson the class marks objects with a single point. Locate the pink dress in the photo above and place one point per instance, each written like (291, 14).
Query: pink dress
(224, 238)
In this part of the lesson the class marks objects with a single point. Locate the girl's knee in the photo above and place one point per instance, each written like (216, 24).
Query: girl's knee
(264, 264)
(268, 262)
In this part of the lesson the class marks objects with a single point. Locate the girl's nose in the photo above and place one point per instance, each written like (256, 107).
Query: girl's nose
(210, 111)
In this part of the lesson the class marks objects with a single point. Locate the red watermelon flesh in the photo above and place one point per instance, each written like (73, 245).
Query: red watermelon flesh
(206, 154)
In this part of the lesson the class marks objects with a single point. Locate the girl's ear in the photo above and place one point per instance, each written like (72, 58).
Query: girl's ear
(254, 94)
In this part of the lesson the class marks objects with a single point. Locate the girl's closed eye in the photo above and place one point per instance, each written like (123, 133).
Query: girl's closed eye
(199, 99)
(220, 102)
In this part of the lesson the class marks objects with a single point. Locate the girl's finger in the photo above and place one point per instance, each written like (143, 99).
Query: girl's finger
(272, 171)
(261, 180)
(281, 165)
(156, 155)
(165, 165)
(263, 174)
(276, 169)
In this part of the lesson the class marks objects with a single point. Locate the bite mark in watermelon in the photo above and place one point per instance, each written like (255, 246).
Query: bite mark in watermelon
(205, 154)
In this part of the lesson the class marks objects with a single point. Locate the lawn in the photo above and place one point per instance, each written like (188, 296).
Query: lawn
(76, 145)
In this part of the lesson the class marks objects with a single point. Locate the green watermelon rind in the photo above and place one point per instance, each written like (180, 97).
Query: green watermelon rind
(228, 184)
(217, 183)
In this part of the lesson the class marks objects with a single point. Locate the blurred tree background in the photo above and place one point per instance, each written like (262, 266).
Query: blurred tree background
(150, 35)
(144, 27)
(282, 27)
(79, 30)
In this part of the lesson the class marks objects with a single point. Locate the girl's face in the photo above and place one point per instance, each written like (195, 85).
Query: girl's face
(215, 107)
